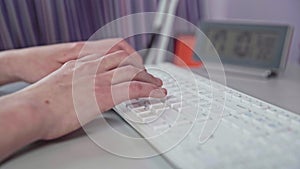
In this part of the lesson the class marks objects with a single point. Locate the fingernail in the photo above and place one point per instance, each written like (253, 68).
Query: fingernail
(160, 92)
(158, 82)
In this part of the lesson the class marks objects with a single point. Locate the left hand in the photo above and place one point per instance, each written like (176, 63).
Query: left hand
(32, 64)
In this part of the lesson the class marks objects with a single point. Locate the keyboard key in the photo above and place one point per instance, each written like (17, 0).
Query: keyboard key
(158, 105)
(159, 125)
(147, 116)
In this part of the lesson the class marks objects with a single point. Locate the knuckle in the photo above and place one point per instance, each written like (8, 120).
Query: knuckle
(75, 48)
(122, 53)
(138, 58)
(109, 57)
(136, 87)
(70, 64)
(131, 70)
(77, 45)
(104, 62)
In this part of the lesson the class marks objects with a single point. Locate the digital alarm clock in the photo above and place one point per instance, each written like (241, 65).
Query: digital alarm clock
(249, 44)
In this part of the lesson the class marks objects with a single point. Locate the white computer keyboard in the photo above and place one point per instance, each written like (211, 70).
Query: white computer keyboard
(250, 133)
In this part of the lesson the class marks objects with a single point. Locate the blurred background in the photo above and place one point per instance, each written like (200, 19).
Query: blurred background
(37, 22)
(25, 23)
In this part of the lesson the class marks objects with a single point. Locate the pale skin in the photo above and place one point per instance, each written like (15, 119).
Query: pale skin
(45, 109)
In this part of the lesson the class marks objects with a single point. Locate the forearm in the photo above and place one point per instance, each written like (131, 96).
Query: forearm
(32, 64)
(7, 67)
(20, 124)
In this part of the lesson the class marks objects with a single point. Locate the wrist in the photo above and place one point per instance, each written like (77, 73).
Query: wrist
(20, 123)
(25, 116)
(8, 66)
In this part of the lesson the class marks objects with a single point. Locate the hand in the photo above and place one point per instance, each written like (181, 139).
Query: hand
(32, 64)
(118, 77)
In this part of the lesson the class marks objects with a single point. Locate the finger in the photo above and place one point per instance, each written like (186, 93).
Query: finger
(135, 89)
(100, 47)
(105, 46)
(129, 73)
(119, 93)
(90, 57)
(122, 45)
(115, 59)
(107, 63)
(119, 59)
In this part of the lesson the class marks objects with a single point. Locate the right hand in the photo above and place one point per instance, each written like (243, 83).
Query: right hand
(117, 76)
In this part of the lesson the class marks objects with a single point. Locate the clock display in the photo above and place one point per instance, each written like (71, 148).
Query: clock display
(242, 44)
(258, 45)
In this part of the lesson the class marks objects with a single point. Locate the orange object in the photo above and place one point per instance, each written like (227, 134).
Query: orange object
(184, 46)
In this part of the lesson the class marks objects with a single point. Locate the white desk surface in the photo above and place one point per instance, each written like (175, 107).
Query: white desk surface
(77, 151)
